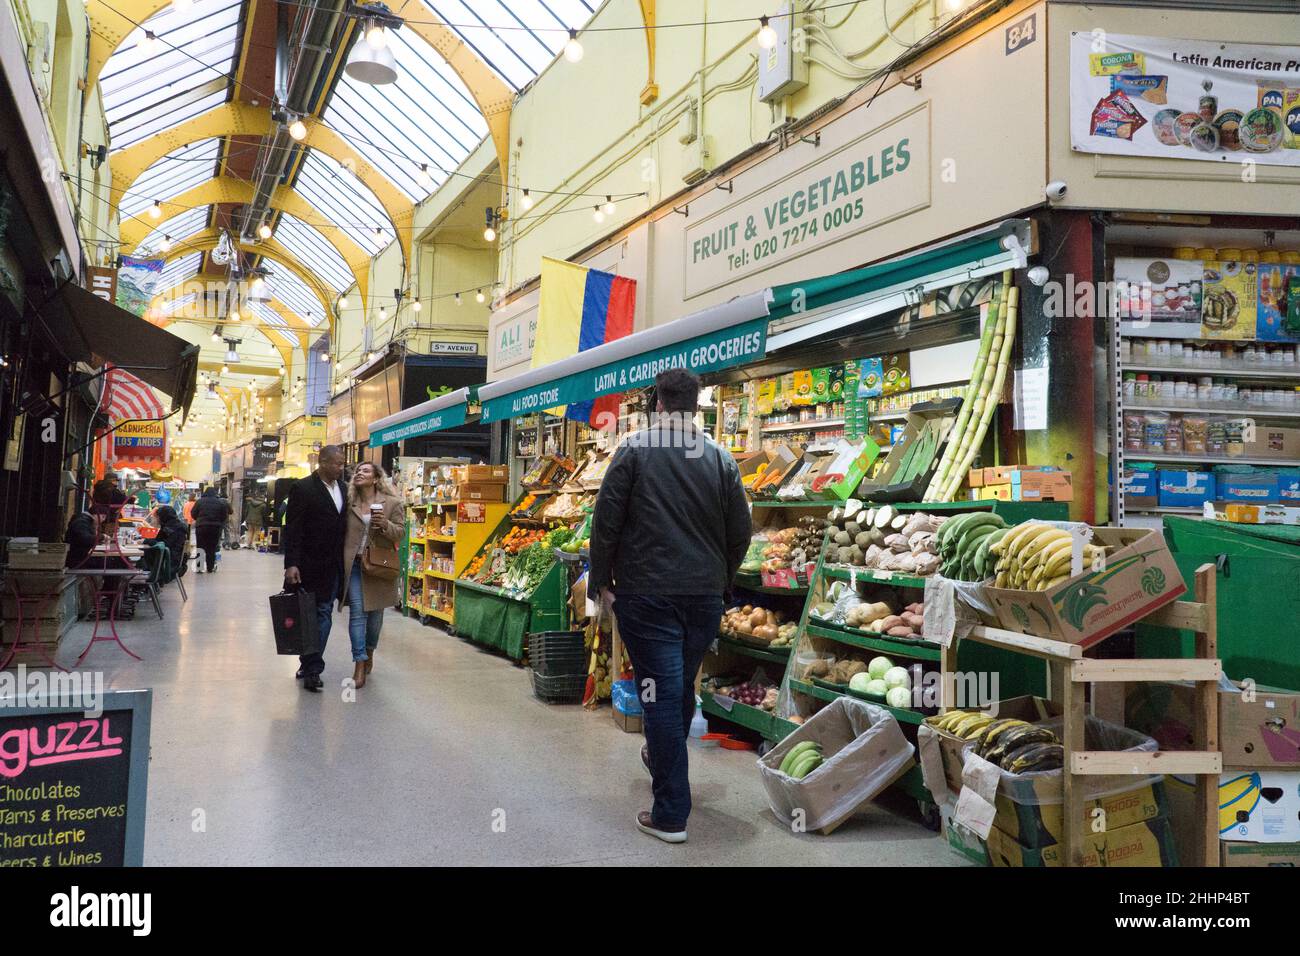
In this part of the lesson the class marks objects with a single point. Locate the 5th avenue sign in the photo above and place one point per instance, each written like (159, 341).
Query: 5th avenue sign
(878, 177)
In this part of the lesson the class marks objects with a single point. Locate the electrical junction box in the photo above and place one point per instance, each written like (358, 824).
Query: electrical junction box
(697, 159)
(783, 70)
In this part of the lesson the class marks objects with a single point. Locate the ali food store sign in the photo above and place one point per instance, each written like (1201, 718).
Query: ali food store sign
(878, 177)
(139, 435)
(704, 353)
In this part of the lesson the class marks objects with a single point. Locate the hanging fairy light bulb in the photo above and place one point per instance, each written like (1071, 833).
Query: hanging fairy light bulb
(597, 215)
(166, 244)
(478, 296)
(458, 298)
(609, 206)
(766, 35)
(264, 230)
(343, 302)
(325, 356)
(525, 201)
(572, 48)
(383, 313)
(415, 305)
(155, 210)
(423, 176)
(225, 369)
(150, 43)
(298, 130)
(216, 335)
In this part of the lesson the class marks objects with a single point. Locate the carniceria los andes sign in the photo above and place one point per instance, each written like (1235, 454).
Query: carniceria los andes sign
(877, 177)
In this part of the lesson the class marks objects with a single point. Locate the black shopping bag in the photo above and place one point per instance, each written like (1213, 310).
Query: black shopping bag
(293, 615)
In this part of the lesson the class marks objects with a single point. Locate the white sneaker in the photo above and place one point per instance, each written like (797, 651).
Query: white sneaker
(644, 824)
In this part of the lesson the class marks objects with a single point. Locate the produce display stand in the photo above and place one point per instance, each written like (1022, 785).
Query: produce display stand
(1071, 671)
(500, 618)
(1018, 675)
(432, 551)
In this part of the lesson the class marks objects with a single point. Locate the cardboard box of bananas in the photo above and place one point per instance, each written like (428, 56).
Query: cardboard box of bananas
(1032, 556)
(1015, 745)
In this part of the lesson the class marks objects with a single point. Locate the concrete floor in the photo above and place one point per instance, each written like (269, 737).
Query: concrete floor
(443, 745)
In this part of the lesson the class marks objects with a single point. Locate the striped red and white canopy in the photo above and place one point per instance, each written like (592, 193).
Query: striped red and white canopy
(127, 398)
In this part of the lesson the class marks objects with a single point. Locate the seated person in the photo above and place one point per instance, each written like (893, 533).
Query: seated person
(175, 534)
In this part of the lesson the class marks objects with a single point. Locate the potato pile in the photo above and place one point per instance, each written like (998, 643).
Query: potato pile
(834, 672)
(794, 546)
(758, 625)
(883, 539)
(880, 618)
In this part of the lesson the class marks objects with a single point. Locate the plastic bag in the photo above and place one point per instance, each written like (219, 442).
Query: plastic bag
(864, 750)
(1044, 786)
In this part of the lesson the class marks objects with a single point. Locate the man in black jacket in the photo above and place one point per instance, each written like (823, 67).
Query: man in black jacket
(210, 514)
(670, 529)
(314, 524)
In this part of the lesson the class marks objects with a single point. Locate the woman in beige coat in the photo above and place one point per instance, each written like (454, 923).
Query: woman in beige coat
(375, 517)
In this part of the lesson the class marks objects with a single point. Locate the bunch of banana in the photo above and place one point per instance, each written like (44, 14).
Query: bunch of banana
(1016, 746)
(959, 540)
(803, 758)
(1035, 556)
(961, 723)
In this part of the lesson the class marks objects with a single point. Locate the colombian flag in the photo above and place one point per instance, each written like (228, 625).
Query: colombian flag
(579, 309)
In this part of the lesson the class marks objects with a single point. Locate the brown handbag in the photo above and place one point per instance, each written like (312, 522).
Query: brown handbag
(380, 562)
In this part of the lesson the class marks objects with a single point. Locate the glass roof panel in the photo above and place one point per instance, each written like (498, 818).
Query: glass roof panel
(266, 314)
(150, 87)
(180, 270)
(314, 251)
(295, 294)
(426, 117)
(345, 200)
(179, 228)
(516, 38)
(172, 175)
(170, 306)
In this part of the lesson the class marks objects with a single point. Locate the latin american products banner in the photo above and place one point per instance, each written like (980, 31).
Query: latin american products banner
(1184, 99)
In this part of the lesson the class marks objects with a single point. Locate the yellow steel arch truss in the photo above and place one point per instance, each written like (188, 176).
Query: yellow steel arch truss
(239, 119)
(208, 239)
(227, 189)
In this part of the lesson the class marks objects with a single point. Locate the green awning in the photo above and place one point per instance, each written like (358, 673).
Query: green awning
(445, 411)
(805, 296)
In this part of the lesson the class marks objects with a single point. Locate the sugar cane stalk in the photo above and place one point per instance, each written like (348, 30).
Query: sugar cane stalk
(991, 323)
(991, 396)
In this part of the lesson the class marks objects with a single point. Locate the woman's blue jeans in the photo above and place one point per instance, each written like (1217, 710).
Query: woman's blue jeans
(363, 626)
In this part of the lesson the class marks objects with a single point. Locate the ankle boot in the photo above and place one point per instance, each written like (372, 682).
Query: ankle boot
(370, 662)
(359, 674)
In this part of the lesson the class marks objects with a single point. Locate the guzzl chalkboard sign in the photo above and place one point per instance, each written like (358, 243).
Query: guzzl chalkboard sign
(72, 785)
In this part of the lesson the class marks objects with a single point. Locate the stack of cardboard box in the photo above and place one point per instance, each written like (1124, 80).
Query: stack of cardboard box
(482, 482)
(1020, 483)
(1259, 790)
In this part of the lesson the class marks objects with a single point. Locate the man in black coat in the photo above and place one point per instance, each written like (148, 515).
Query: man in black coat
(210, 515)
(670, 529)
(314, 523)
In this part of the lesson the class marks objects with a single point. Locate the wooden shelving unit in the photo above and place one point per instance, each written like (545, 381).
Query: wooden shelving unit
(1071, 672)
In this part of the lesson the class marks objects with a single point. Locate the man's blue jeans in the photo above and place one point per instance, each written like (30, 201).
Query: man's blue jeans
(363, 625)
(314, 664)
(666, 638)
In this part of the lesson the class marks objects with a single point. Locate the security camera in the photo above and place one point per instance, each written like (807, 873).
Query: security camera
(1055, 190)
